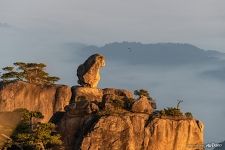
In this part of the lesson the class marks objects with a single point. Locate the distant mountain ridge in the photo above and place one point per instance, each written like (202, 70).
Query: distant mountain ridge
(155, 54)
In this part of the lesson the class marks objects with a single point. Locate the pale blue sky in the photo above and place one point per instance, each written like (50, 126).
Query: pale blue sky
(199, 22)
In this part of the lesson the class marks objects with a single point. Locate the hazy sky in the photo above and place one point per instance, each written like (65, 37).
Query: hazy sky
(199, 22)
(39, 31)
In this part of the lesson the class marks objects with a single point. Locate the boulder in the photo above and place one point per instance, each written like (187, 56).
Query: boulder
(47, 99)
(120, 94)
(86, 93)
(88, 73)
(143, 105)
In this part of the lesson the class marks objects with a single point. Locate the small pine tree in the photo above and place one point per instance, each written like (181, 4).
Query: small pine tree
(188, 115)
(10, 74)
(33, 135)
(29, 72)
(141, 93)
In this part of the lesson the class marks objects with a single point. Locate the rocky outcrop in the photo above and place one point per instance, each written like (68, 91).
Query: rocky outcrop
(116, 132)
(97, 94)
(90, 118)
(174, 134)
(46, 99)
(110, 119)
(83, 128)
(88, 72)
(86, 93)
(119, 94)
(83, 112)
(134, 131)
(73, 123)
(143, 105)
(70, 128)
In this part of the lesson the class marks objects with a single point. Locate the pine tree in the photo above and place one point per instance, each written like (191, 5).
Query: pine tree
(29, 72)
(142, 92)
(34, 135)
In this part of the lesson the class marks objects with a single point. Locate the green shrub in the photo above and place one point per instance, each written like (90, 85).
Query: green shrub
(142, 92)
(188, 115)
(171, 111)
(33, 135)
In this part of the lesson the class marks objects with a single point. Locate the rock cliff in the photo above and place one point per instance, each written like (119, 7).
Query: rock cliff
(130, 131)
(111, 119)
(90, 118)
(133, 131)
(46, 99)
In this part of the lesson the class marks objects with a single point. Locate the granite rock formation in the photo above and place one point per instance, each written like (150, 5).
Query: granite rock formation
(88, 73)
(86, 93)
(118, 93)
(83, 111)
(86, 128)
(98, 119)
(47, 99)
(142, 105)
(90, 118)
(133, 131)
(72, 123)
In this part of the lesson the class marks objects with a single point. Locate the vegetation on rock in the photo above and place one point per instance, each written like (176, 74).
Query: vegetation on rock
(188, 115)
(114, 106)
(29, 72)
(142, 92)
(31, 134)
(171, 111)
(175, 111)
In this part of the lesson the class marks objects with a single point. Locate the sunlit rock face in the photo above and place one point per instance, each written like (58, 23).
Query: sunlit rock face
(135, 132)
(8, 123)
(143, 105)
(47, 99)
(75, 122)
(84, 127)
(119, 94)
(174, 134)
(86, 93)
(82, 113)
(88, 73)
(117, 132)
(90, 118)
